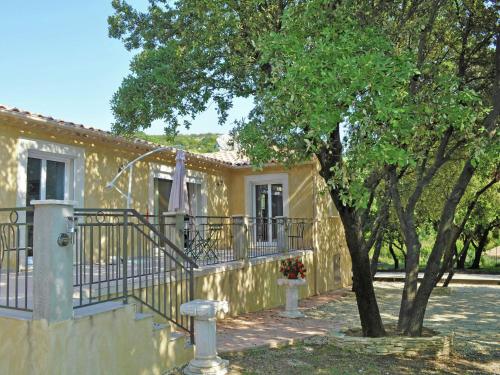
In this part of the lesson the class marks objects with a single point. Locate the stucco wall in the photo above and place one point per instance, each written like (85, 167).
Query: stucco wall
(111, 342)
(252, 285)
(8, 170)
(300, 189)
(225, 188)
(329, 239)
(116, 343)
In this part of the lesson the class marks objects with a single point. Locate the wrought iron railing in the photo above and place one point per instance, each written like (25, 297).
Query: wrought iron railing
(299, 233)
(119, 254)
(270, 236)
(16, 238)
(209, 240)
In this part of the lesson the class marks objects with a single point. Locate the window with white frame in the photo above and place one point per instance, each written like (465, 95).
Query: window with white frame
(48, 170)
(266, 199)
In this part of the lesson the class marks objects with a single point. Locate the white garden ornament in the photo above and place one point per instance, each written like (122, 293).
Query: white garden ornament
(206, 361)
(292, 297)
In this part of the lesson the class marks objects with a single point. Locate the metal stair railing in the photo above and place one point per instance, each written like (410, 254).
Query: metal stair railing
(120, 255)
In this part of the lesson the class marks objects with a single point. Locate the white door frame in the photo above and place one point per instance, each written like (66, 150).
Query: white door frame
(265, 179)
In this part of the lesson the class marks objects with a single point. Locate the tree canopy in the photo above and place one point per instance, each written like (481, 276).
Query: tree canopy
(411, 85)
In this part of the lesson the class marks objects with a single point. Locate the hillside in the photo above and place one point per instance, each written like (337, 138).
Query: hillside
(199, 143)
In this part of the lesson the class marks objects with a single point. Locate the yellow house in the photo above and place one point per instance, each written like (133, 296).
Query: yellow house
(44, 158)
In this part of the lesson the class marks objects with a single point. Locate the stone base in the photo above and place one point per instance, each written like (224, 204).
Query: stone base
(218, 366)
(439, 346)
(291, 314)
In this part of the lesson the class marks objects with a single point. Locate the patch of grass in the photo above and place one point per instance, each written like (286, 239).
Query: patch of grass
(329, 359)
(488, 264)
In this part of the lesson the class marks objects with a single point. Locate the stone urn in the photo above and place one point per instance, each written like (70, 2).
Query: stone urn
(292, 297)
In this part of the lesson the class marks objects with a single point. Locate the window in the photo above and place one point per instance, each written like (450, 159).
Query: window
(46, 179)
(161, 177)
(48, 170)
(194, 199)
(162, 187)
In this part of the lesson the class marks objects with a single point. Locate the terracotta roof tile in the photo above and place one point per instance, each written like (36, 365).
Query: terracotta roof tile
(232, 157)
(211, 158)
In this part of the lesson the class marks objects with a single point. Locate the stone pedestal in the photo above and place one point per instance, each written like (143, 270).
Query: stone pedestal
(292, 297)
(205, 359)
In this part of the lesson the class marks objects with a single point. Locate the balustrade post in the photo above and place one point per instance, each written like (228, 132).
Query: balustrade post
(53, 231)
(240, 236)
(282, 233)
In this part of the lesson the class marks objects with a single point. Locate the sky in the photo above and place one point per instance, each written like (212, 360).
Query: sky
(56, 59)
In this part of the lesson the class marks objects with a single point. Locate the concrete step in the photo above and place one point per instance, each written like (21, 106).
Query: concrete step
(142, 316)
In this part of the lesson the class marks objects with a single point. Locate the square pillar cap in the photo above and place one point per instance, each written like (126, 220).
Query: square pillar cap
(204, 308)
(54, 202)
(292, 282)
(174, 213)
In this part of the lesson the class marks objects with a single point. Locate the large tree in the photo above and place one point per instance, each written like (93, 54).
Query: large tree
(410, 83)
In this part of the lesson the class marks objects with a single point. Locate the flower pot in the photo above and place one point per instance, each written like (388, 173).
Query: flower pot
(292, 297)
(292, 276)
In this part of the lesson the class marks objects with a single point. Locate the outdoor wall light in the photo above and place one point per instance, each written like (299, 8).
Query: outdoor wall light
(65, 239)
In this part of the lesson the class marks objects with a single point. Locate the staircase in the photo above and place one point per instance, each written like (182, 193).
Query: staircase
(120, 255)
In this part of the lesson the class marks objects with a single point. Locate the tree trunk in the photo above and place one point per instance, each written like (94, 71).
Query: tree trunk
(443, 241)
(445, 233)
(411, 279)
(369, 314)
(463, 254)
(447, 262)
(376, 255)
(394, 257)
(451, 273)
(479, 249)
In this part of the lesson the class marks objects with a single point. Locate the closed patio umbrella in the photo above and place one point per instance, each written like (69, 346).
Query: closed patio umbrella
(178, 201)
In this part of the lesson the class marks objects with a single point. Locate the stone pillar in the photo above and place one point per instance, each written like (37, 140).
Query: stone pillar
(292, 297)
(240, 236)
(282, 233)
(206, 360)
(52, 260)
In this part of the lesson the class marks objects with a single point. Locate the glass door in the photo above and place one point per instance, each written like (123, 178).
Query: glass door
(268, 205)
(162, 196)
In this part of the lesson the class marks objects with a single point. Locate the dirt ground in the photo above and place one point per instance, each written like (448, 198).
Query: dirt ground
(470, 312)
(316, 358)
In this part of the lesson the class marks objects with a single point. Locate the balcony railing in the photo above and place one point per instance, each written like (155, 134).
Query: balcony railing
(16, 233)
(220, 239)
